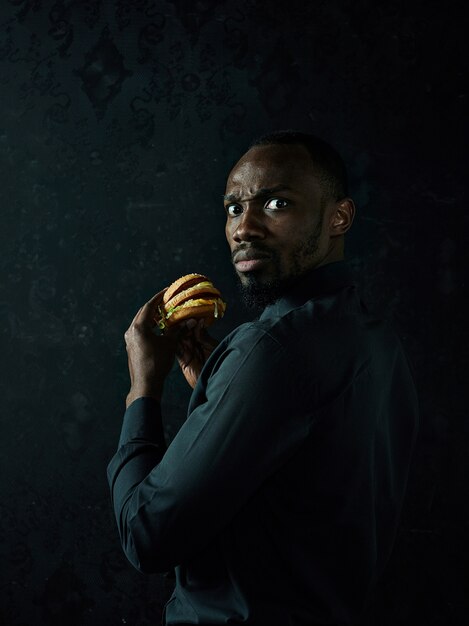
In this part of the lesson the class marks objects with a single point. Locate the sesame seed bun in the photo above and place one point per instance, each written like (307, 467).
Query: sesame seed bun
(181, 284)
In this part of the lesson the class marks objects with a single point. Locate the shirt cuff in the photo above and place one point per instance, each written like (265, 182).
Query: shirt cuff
(142, 420)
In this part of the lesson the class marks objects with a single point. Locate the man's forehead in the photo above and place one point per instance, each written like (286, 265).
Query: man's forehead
(271, 166)
(265, 175)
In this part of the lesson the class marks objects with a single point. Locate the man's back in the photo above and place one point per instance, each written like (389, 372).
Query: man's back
(279, 498)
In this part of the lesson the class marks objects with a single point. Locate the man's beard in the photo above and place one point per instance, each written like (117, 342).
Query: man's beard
(256, 293)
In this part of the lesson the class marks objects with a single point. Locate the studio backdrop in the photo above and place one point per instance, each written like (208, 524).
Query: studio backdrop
(119, 122)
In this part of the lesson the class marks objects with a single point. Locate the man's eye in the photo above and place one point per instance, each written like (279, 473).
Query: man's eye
(276, 203)
(233, 210)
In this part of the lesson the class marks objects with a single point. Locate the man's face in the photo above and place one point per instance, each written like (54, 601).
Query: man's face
(274, 220)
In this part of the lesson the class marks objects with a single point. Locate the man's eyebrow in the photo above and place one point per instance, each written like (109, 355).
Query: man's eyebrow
(260, 193)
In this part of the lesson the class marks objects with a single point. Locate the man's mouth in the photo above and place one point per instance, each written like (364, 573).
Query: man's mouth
(249, 260)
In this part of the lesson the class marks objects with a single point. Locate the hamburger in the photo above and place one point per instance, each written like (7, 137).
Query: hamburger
(191, 296)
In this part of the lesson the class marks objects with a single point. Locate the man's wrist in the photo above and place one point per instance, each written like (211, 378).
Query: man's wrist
(153, 390)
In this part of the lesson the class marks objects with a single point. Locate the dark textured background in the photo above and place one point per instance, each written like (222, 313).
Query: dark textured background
(118, 124)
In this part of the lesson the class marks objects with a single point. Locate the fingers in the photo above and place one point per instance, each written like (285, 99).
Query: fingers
(185, 352)
(199, 330)
(144, 318)
(184, 335)
(182, 330)
(147, 313)
(204, 338)
(194, 328)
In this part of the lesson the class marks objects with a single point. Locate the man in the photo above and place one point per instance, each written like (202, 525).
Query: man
(278, 500)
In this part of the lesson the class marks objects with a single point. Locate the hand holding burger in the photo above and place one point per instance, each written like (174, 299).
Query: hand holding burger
(182, 311)
(192, 304)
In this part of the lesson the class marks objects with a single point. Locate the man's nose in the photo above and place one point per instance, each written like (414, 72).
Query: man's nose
(250, 226)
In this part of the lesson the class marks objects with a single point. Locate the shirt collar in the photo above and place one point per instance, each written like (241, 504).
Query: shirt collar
(321, 280)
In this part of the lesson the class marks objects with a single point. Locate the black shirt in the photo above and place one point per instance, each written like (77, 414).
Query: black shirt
(278, 500)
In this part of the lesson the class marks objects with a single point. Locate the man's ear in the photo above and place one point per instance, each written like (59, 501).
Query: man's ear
(341, 217)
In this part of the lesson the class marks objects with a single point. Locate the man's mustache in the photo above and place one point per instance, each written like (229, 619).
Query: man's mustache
(251, 250)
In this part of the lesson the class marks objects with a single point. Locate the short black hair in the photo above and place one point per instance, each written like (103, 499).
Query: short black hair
(329, 166)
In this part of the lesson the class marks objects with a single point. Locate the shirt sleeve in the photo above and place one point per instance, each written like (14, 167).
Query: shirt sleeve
(141, 447)
(169, 503)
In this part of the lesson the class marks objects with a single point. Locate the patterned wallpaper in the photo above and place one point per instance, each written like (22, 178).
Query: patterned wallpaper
(119, 122)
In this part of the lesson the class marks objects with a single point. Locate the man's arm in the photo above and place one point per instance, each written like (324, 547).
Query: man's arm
(150, 357)
(170, 503)
(141, 448)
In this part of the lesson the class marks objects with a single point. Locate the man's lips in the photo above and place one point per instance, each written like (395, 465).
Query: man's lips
(248, 260)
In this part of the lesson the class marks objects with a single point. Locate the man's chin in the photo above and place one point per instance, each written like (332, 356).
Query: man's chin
(256, 293)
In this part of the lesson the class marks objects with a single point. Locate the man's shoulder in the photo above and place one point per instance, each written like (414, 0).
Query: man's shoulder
(255, 334)
(315, 320)
(319, 325)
